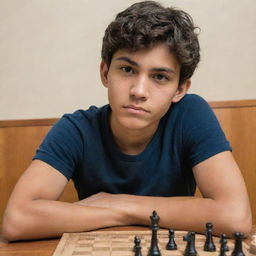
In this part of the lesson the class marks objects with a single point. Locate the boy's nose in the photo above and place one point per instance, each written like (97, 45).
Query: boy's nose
(139, 88)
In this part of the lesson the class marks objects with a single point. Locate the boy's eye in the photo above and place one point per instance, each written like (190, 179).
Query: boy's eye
(127, 69)
(160, 77)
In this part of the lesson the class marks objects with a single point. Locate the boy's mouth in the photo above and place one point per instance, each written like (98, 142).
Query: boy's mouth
(135, 109)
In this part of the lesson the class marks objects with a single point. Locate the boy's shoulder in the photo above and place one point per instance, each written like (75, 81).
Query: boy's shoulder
(83, 120)
(93, 112)
(191, 109)
(192, 102)
(193, 98)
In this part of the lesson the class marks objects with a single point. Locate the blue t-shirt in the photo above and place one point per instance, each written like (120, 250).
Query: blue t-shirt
(81, 147)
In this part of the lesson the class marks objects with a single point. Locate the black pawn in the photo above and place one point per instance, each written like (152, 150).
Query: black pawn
(223, 245)
(137, 247)
(154, 250)
(223, 239)
(238, 249)
(190, 249)
(171, 245)
(209, 245)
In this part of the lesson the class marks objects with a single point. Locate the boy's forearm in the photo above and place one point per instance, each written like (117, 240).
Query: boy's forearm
(187, 213)
(44, 219)
(181, 213)
(192, 213)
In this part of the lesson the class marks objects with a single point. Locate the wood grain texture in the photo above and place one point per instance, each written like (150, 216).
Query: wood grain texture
(17, 148)
(239, 125)
(233, 104)
(28, 122)
(238, 121)
(20, 138)
(28, 248)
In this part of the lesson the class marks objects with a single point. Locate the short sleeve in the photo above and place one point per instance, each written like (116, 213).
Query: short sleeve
(62, 147)
(203, 136)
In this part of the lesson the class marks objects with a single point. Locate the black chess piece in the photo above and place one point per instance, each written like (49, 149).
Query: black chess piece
(137, 247)
(238, 249)
(209, 246)
(223, 245)
(190, 249)
(171, 245)
(223, 238)
(154, 250)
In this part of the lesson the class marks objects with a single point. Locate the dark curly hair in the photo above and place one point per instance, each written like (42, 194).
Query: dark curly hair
(147, 23)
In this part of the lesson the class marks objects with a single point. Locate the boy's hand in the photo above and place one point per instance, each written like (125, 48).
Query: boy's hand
(125, 204)
(106, 200)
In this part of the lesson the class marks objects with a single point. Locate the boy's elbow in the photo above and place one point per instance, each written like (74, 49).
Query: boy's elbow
(12, 227)
(9, 232)
(243, 224)
(240, 221)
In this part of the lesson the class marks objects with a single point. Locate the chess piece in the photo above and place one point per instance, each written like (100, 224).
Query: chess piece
(238, 249)
(223, 245)
(154, 250)
(222, 251)
(209, 245)
(137, 247)
(223, 239)
(171, 245)
(190, 249)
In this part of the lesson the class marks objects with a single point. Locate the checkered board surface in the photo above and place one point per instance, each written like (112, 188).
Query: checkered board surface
(121, 243)
(253, 244)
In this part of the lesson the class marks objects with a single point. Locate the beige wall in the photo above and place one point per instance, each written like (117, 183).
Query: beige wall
(50, 52)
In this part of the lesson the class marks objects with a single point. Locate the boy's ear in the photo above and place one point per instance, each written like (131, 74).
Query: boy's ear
(181, 91)
(104, 73)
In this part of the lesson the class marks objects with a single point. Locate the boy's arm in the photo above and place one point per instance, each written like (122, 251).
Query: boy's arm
(33, 210)
(225, 201)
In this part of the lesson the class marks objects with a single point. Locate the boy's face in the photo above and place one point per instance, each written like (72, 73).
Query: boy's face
(141, 86)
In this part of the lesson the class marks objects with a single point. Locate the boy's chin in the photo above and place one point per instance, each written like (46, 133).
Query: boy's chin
(135, 124)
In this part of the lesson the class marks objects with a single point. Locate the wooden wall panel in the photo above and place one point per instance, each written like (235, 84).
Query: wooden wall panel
(238, 120)
(20, 138)
(17, 147)
(239, 125)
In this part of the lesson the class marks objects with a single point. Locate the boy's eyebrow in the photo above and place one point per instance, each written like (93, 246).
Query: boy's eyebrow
(169, 70)
(132, 62)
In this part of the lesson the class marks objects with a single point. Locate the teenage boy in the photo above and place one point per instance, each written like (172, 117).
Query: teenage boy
(144, 151)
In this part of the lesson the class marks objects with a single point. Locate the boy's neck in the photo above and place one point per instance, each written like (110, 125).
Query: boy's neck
(132, 142)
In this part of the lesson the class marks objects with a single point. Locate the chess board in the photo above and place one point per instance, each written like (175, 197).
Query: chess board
(121, 243)
(253, 244)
